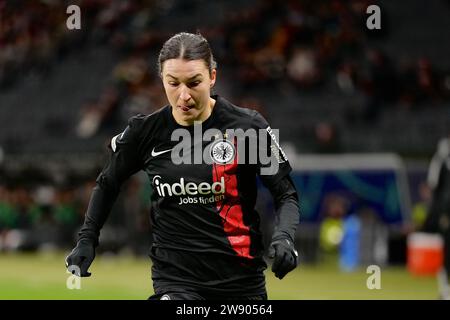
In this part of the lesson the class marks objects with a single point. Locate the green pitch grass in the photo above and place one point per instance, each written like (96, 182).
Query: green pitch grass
(43, 276)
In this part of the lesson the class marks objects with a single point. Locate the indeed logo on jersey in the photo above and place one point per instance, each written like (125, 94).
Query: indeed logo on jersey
(208, 192)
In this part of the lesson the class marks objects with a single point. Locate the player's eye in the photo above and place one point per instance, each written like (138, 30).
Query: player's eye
(194, 84)
(173, 84)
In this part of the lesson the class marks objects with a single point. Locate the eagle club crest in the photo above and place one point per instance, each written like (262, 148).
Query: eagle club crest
(222, 152)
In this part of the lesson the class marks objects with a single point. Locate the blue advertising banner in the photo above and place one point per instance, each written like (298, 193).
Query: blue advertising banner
(353, 182)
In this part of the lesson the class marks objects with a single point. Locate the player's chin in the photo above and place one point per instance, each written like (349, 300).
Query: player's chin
(187, 114)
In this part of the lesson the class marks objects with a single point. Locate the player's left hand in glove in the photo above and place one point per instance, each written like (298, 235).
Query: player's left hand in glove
(81, 257)
(285, 257)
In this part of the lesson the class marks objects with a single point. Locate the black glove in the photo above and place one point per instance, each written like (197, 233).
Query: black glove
(81, 256)
(285, 257)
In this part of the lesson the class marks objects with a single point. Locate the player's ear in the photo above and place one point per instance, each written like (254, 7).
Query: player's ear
(213, 74)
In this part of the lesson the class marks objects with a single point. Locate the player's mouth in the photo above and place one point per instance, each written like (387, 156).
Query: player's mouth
(186, 108)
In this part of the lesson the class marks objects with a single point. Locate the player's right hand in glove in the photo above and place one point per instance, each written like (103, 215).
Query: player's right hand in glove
(81, 257)
(285, 257)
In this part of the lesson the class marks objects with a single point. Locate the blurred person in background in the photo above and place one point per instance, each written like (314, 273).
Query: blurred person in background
(381, 87)
(422, 205)
(206, 238)
(438, 219)
(326, 138)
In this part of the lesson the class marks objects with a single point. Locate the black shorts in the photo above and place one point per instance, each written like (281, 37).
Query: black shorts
(206, 274)
(192, 295)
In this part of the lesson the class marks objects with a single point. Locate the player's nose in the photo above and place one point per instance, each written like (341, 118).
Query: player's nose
(184, 94)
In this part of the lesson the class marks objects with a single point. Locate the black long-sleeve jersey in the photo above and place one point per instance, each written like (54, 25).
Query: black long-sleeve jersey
(205, 229)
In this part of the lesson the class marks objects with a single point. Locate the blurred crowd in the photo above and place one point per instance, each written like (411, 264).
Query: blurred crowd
(267, 46)
(410, 87)
(299, 44)
(33, 37)
(46, 217)
(30, 219)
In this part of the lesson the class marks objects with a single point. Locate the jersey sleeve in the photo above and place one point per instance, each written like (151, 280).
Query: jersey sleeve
(124, 161)
(275, 176)
(272, 163)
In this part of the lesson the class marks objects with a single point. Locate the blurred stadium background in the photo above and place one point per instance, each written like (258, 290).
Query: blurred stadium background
(360, 113)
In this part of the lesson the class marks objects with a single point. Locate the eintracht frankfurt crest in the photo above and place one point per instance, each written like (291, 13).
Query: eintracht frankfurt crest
(223, 152)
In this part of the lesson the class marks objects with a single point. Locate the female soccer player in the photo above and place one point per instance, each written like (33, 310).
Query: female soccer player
(206, 238)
